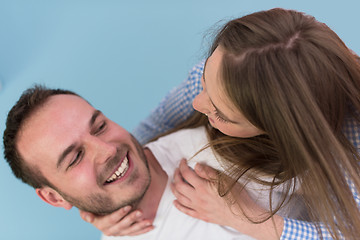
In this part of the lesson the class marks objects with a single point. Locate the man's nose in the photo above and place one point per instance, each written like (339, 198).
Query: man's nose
(100, 151)
(201, 103)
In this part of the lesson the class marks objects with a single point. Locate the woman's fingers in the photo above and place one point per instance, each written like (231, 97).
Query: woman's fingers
(205, 171)
(186, 210)
(87, 216)
(189, 174)
(119, 223)
(130, 225)
(181, 189)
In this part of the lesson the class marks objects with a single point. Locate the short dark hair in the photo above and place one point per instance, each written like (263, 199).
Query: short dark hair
(30, 100)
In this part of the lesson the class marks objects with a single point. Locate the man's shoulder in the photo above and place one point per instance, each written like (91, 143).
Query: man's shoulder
(188, 133)
(170, 149)
(185, 138)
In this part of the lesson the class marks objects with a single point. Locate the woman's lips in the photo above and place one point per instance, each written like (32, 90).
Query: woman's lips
(211, 120)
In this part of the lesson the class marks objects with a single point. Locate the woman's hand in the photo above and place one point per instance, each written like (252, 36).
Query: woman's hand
(197, 196)
(119, 223)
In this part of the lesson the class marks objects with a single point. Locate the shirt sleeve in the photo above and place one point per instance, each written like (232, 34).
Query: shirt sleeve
(173, 109)
(296, 229)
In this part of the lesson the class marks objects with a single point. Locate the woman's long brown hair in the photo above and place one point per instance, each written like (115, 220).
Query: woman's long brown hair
(292, 77)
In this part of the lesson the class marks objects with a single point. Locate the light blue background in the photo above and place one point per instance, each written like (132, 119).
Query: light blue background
(123, 56)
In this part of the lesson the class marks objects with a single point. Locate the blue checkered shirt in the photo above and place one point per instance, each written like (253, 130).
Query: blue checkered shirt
(177, 106)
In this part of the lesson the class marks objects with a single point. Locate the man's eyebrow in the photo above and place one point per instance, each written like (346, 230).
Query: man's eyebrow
(94, 117)
(72, 146)
(63, 155)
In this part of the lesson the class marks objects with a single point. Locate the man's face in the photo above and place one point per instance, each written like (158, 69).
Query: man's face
(93, 163)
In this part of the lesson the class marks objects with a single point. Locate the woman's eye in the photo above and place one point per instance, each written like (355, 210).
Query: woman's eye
(219, 118)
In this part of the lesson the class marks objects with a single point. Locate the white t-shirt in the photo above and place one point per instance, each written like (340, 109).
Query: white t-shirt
(186, 143)
(170, 223)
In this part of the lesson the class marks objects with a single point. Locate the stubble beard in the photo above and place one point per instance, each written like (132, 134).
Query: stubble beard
(101, 205)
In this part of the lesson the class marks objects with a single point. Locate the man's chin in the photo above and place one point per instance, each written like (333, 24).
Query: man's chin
(103, 206)
(109, 211)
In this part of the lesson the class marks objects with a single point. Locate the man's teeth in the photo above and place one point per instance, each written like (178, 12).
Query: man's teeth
(120, 171)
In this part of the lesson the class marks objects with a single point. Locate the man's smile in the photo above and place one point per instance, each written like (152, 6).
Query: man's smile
(120, 171)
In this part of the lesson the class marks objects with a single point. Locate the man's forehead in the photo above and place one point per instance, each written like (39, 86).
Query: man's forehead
(53, 126)
(58, 108)
(66, 99)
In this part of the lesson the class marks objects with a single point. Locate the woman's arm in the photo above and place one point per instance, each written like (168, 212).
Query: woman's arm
(175, 108)
(296, 229)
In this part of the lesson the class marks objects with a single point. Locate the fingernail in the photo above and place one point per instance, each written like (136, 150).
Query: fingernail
(138, 214)
(87, 218)
(127, 208)
(199, 167)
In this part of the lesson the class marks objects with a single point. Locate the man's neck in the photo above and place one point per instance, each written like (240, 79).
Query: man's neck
(150, 202)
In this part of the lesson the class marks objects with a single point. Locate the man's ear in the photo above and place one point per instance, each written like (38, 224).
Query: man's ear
(52, 197)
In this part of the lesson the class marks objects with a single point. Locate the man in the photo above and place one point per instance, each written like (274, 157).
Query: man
(73, 155)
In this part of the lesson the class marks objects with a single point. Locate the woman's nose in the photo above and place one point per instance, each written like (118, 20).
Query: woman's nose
(201, 103)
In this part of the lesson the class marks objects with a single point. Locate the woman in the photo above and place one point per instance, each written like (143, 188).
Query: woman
(285, 91)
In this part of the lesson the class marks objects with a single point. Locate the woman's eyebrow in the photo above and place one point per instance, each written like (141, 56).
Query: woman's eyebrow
(222, 115)
(219, 112)
(204, 68)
